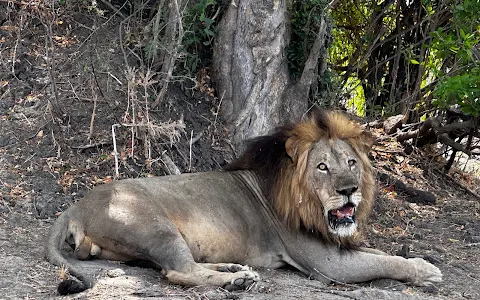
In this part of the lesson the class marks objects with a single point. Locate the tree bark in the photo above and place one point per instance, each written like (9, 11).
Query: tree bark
(250, 69)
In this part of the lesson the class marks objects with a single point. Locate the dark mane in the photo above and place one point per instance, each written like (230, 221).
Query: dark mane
(267, 155)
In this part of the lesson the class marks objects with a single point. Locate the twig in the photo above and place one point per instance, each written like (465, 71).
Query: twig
(115, 153)
(83, 147)
(57, 111)
(29, 158)
(96, 82)
(218, 111)
(113, 8)
(168, 162)
(190, 158)
(58, 145)
(197, 138)
(332, 4)
(333, 280)
(389, 151)
(16, 45)
(92, 119)
(116, 79)
(73, 90)
(216, 116)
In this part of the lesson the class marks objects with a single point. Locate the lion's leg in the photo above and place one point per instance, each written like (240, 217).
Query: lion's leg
(226, 267)
(110, 255)
(83, 246)
(204, 276)
(88, 249)
(163, 245)
(182, 269)
(358, 266)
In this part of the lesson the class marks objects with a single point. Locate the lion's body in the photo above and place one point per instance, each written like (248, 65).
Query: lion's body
(215, 228)
(199, 227)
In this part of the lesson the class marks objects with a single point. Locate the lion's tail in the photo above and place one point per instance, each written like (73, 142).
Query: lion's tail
(55, 242)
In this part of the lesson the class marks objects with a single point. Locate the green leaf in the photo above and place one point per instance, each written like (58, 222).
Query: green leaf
(415, 62)
(208, 32)
(467, 110)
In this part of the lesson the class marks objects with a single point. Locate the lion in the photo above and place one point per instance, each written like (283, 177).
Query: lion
(298, 197)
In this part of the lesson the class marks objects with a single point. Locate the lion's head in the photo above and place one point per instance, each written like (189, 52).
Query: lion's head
(316, 174)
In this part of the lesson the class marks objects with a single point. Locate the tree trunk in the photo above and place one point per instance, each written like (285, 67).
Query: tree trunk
(250, 70)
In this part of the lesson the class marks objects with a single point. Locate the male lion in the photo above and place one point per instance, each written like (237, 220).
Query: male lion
(297, 197)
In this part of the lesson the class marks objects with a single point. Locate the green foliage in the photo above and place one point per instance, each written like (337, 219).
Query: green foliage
(198, 23)
(357, 99)
(461, 90)
(459, 86)
(305, 21)
(404, 52)
(353, 34)
(199, 27)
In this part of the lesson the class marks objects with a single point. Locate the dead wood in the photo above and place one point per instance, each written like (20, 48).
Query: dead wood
(411, 194)
(437, 132)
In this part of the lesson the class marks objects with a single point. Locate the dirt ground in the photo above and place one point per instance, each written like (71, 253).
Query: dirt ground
(47, 164)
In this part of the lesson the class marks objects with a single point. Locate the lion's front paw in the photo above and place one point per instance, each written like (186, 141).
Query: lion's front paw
(242, 281)
(425, 272)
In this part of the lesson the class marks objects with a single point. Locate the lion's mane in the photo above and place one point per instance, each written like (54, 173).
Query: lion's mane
(280, 161)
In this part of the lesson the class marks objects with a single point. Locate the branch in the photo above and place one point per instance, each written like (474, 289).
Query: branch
(171, 167)
(308, 73)
(441, 133)
(54, 101)
(456, 126)
(174, 20)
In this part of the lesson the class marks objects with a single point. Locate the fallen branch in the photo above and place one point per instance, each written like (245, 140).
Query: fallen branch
(432, 126)
(99, 144)
(171, 167)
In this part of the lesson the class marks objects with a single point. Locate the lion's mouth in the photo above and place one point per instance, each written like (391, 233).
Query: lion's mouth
(344, 215)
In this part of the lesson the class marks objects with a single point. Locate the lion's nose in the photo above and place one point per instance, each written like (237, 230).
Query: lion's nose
(348, 191)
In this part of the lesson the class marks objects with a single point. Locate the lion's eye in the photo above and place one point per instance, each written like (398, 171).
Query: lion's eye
(352, 162)
(322, 167)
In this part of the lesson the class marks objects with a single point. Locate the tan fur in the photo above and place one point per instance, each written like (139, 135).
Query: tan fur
(292, 188)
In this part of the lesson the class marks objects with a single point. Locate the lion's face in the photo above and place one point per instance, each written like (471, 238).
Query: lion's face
(335, 176)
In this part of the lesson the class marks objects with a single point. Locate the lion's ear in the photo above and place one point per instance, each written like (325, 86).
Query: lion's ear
(290, 147)
(366, 141)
